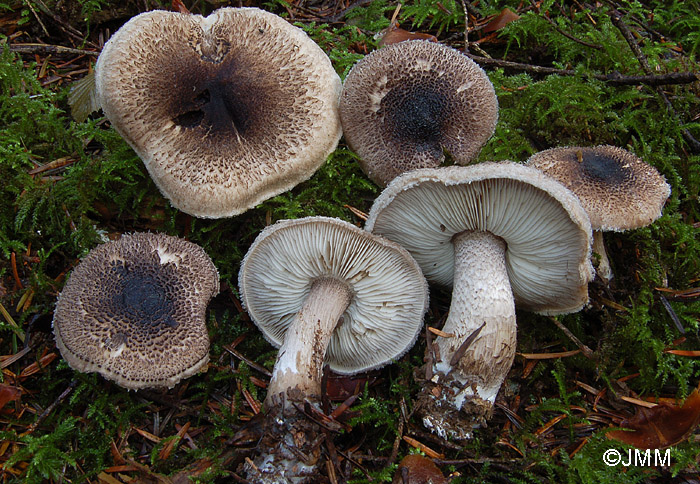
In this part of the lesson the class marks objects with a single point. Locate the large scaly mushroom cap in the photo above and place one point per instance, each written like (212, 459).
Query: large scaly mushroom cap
(225, 111)
(618, 190)
(403, 106)
(133, 310)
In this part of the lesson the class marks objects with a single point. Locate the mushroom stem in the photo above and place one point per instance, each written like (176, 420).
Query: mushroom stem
(298, 370)
(603, 267)
(482, 300)
(290, 447)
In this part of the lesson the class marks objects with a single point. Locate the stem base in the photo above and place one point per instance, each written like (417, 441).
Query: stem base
(470, 366)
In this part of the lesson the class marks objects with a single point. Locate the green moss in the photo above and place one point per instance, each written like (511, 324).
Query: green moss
(56, 216)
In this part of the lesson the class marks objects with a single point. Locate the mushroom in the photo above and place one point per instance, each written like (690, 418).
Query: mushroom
(133, 310)
(326, 293)
(407, 104)
(226, 111)
(617, 189)
(501, 234)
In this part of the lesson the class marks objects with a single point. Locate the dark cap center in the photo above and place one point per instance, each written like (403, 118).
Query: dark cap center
(216, 107)
(603, 168)
(222, 100)
(415, 114)
(144, 299)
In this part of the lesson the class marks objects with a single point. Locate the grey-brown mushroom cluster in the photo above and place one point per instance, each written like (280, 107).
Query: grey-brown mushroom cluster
(257, 107)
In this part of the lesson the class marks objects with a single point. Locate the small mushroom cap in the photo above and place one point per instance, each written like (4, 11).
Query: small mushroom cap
(390, 294)
(546, 231)
(618, 190)
(133, 310)
(226, 111)
(404, 105)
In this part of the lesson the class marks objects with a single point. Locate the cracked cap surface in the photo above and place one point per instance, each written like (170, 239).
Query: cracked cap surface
(133, 310)
(404, 105)
(225, 111)
(618, 190)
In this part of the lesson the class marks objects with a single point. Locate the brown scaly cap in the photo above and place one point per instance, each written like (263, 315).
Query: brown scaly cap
(226, 111)
(403, 106)
(133, 310)
(617, 189)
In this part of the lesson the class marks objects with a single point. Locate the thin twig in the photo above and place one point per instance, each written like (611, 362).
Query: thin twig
(339, 16)
(587, 352)
(333, 462)
(63, 25)
(674, 317)
(616, 18)
(50, 408)
(469, 8)
(357, 464)
(36, 15)
(466, 26)
(248, 361)
(429, 355)
(636, 19)
(15, 272)
(397, 441)
(49, 49)
(615, 79)
(650, 80)
(7, 361)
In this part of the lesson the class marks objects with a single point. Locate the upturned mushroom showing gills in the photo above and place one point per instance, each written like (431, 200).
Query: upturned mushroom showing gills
(133, 310)
(326, 293)
(407, 104)
(501, 234)
(617, 188)
(225, 111)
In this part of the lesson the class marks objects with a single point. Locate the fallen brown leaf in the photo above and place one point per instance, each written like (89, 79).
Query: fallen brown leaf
(660, 426)
(690, 353)
(501, 20)
(416, 469)
(8, 394)
(395, 34)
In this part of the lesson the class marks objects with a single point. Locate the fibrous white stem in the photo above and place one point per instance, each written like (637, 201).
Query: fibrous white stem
(299, 363)
(481, 298)
(289, 447)
(603, 269)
